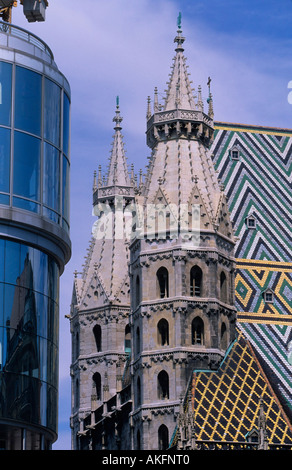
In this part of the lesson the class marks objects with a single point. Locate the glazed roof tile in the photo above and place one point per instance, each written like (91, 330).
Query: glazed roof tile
(226, 402)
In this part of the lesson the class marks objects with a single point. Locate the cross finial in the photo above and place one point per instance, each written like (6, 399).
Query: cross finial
(209, 83)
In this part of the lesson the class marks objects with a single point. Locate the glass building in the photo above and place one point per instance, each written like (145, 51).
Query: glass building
(34, 235)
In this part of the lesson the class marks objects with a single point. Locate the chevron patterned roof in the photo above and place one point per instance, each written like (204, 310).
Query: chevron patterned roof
(258, 183)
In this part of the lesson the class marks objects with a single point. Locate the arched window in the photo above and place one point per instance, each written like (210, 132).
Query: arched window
(162, 281)
(97, 337)
(138, 440)
(96, 386)
(77, 343)
(163, 439)
(76, 393)
(137, 293)
(196, 276)
(139, 396)
(197, 331)
(163, 385)
(138, 340)
(127, 339)
(223, 336)
(163, 332)
(223, 287)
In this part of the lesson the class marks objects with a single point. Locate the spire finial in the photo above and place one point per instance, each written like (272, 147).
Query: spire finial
(200, 104)
(179, 39)
(148, 115)
(94, 181)
(99, 180)
(117, 119)
(179, 21)
(156, 104)
(210, 100)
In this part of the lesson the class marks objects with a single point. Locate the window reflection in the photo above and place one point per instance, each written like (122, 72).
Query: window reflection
(66, 188)
(28, 100)
(4, 159)
(66, 124)
(52, 110)
(5, 93)
(41, 109)
(51, 177)
(29, 282)
(26, 171)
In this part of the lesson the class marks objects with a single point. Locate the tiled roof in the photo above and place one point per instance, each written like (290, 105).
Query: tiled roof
(226, 403)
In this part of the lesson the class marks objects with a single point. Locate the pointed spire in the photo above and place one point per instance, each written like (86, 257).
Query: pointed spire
(182, 115)
(118, 171)
(179, 93)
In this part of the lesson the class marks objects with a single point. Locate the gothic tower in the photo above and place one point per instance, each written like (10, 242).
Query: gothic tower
(101, 299)
(181, 261)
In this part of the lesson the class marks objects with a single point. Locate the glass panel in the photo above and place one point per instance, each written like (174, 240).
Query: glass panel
(4, 159)
(4, 199)
(40, 271)
(51, 177)
(28, 334)
(66, 124)
(28, 100)
(12, 262)
(66, 183)
(8, 299)
(50, 215)
(53, 280)
(26, 205)
(42, 311)
(2, 260)
(26, 171)
(5, 93)
(52, 112)
(1, 342)
(29, 319)
(26, 267)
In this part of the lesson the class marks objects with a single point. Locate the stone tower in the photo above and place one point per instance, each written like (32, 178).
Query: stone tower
(181, 261)
(101, 297)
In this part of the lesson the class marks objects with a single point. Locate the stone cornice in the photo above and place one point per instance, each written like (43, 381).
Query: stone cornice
(148, 410)
(182, 253)
(179, 123)
(109, 357)
(182, 304)
(180, 356)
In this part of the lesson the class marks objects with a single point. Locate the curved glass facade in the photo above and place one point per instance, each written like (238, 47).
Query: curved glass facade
(34, 143)
(34, 235)
(29, 295)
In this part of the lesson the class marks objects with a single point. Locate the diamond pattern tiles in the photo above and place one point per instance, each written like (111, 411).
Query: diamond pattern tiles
(258, 184)
(226, 403)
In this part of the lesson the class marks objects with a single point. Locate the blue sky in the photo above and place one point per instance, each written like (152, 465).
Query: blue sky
(125, 48)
